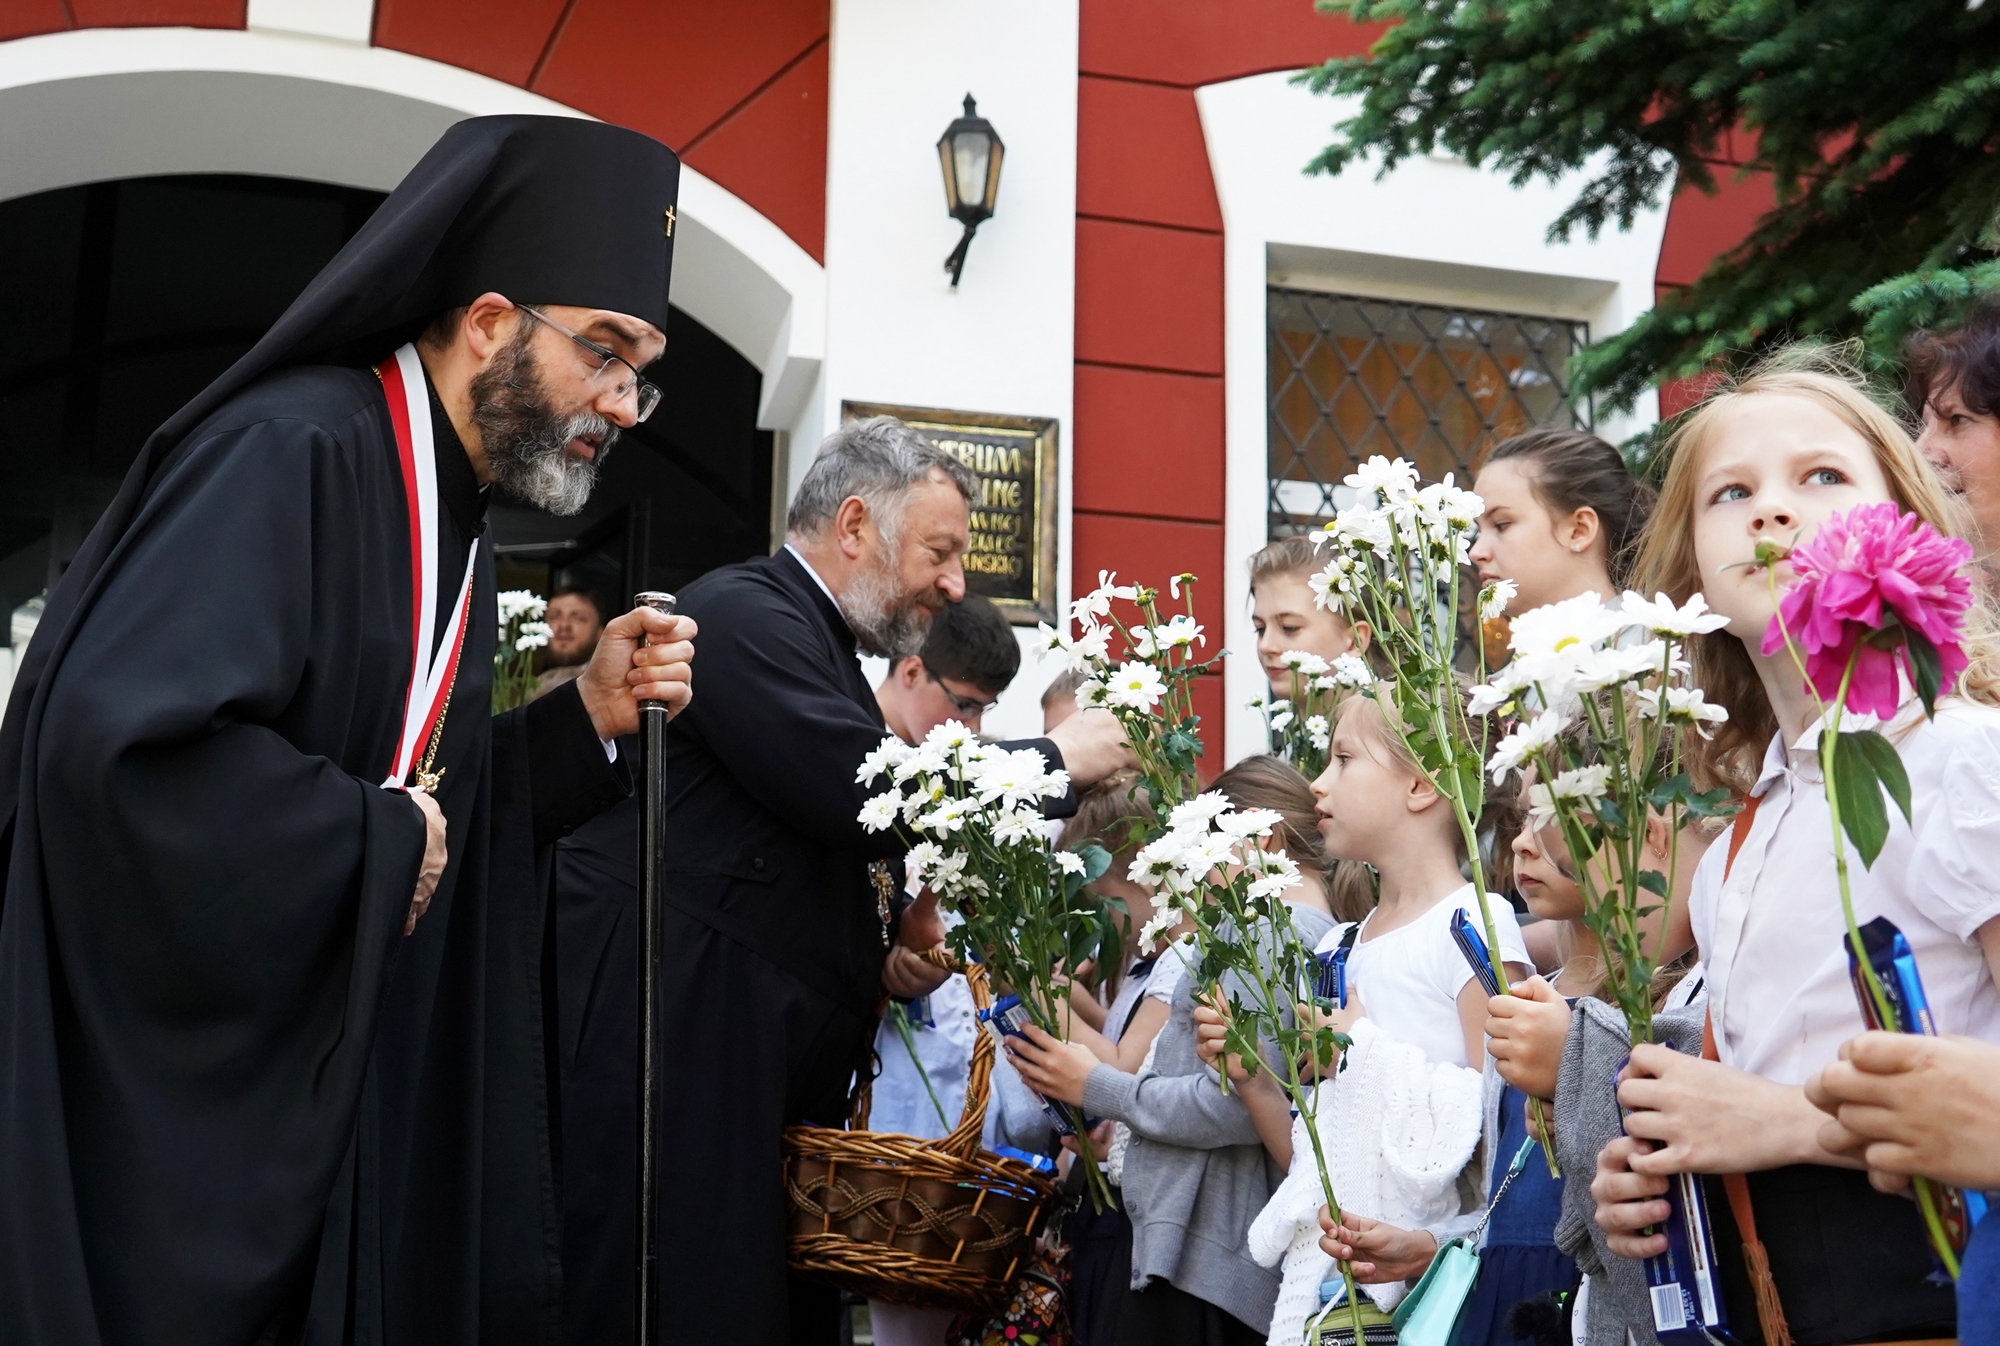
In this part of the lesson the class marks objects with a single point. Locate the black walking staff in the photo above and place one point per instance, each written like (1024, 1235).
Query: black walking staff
(653, 717)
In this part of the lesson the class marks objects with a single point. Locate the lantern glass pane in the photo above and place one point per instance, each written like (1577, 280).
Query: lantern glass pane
(970, 151)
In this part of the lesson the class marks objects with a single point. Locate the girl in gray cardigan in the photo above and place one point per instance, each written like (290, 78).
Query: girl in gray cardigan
(1195, 1172)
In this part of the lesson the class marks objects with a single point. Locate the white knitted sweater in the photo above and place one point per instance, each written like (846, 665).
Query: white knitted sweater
(1398, 1129)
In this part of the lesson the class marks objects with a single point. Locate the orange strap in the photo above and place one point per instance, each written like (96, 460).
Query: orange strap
(1770, 1312)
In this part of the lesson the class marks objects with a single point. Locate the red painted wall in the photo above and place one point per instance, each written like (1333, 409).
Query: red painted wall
(739, 89)
(1148, 475)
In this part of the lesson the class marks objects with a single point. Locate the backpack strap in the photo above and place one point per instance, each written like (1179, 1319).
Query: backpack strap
(1770, 1311)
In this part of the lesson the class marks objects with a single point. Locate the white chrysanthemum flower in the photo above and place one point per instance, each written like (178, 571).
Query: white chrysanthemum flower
(1092, 649)
(1281, 877)
(879, 813)
(1683, 705)
(533, 636)
(1585, 782)
(1319, 732)
(881, 760)
(921, 859)
(945, 737)
(1325, 585)
(1281, 716)
(1244, 823)
(1135, 686)
(1069, 862)
(1156, 860)
(1178, 631)
(1351, 670)
(1097, 603)
(1196, 814)
(1360, 526)
(1163, 922)
(1015, 777)
(1557, 628)
(1017, 825)
(948, 817)
(1541, 807)
(1489, 698)
(1305, 662)
(923, 760)
(1092, 693)
(520, 603)
(1493, 600)
(1661, 617)
(1391, 480)
(1535, 735)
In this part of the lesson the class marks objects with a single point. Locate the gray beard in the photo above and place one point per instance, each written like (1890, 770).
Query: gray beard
(885, 620)
(527, 440)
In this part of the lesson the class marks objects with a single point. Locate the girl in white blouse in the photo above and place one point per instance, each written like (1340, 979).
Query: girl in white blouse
(1772, 457)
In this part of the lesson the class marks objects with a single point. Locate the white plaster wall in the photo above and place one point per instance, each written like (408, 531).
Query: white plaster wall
(106, 103)
(896, 332)
(1433, 230)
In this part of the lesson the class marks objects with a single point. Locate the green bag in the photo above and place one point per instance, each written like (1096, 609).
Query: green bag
(1429, 1314)
(1333, 1325)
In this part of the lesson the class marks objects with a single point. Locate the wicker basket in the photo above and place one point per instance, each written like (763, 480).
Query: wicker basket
(937, 1223)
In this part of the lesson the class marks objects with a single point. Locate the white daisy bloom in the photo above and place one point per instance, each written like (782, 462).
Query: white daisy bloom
(1351, 670)
(1319, 732)
(1069, 862)
(1302, 661)
(921, 859)
(1683, 705)
(1493, 600)
(533, 636)
(881, 760)
(1535, 735)
(1246, 823)
(1135, 686)
(1178, 631)
(1157, 929)
(1558, 627)
(1017, 825)
(879, 813)
(1196, 814)
(520, 603)
(1391, 480)
(1661, 617)
(1585, 782)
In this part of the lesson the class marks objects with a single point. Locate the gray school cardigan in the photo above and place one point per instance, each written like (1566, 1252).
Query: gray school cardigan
(1195, 1173)
(1586, 1120)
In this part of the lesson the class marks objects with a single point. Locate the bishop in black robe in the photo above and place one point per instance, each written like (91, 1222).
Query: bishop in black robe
(237, 1104)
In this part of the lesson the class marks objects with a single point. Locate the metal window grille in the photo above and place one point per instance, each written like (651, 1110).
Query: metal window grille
(1352, 377)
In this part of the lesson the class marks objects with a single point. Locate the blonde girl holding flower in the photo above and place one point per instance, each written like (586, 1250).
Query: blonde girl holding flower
(1767, 461)
(1417, 1018)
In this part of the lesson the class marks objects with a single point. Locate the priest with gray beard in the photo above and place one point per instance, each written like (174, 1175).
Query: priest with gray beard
(777, 952)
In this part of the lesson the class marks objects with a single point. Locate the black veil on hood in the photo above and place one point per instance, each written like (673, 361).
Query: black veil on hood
(555, 210)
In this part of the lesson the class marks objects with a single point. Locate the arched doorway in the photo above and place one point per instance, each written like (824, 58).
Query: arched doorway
(130, 295)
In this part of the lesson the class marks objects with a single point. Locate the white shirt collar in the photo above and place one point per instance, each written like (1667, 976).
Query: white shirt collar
(799, 556)
(1802, 758)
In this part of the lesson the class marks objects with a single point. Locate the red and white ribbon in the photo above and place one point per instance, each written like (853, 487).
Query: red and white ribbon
(402, 378)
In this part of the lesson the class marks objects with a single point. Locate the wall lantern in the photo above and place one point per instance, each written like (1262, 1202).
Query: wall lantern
(970, 152)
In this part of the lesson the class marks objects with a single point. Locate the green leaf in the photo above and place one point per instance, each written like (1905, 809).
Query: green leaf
(1926, 671)
(1654, 882)
(1882, 757)
(1859, 795)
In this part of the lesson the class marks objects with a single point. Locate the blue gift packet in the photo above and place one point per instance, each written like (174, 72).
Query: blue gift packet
(1895, 967)
(1008, 1017)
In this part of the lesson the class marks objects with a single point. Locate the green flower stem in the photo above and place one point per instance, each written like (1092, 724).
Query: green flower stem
(1830, 716)
(901, 1019)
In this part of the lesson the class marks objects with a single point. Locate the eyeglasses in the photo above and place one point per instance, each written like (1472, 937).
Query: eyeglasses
(612, 371)
(964, 705)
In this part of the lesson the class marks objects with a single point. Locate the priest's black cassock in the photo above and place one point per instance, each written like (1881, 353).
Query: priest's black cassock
(236, 1103)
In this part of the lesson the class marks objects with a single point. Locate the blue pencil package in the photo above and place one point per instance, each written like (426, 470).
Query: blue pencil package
(1683, 1283)
(1895, 967)
(1467, 937)
(1009, 1018)
(1330, 979)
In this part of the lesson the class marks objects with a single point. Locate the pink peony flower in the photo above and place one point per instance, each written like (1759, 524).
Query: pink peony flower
(1862, 571)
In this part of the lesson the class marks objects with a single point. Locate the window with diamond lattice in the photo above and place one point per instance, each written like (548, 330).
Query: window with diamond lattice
(1352, 377)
